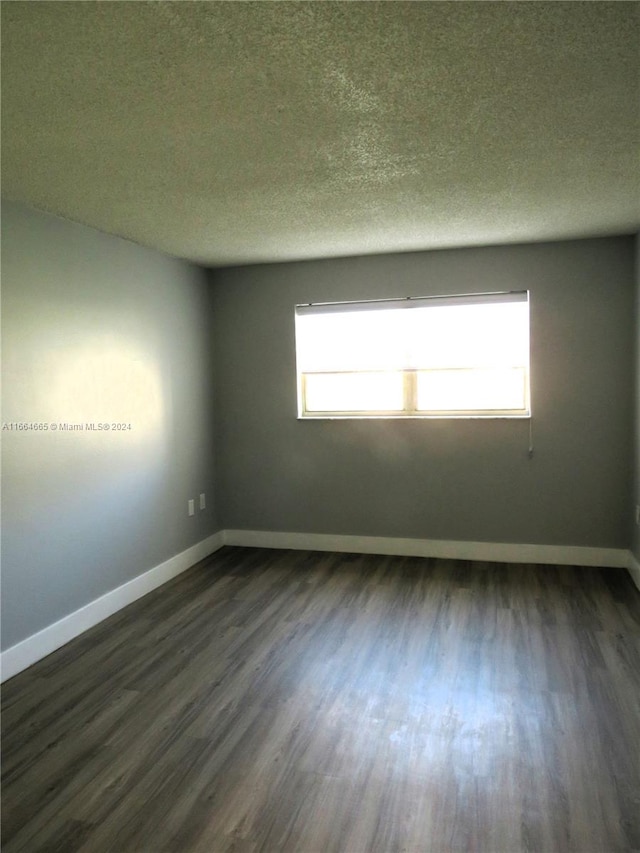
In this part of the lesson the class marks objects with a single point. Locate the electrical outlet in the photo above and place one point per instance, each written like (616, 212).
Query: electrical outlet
(191, 507)
(203, 501)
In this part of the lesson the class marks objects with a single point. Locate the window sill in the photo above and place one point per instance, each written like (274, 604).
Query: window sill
(412, 417)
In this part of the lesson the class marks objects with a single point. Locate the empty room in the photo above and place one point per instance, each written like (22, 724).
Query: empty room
(320, 427)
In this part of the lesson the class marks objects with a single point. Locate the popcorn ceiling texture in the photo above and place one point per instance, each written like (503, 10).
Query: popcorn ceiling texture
(247, 132)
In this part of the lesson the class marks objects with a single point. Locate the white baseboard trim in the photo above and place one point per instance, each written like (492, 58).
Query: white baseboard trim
(38, 646)
(634, 569)
(567, 555)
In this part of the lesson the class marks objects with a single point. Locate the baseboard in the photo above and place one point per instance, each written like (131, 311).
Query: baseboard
(567, 555)
(634, 569)
(38, 646)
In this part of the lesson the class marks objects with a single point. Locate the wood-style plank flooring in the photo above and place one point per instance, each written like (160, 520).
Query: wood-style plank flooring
(310, 702)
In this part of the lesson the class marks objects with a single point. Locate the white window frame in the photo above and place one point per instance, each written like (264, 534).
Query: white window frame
(410, 375)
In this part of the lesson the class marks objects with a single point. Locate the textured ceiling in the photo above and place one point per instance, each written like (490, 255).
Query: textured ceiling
(246, 132)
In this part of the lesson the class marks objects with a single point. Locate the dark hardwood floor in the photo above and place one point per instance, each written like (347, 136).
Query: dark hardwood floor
(309, 702)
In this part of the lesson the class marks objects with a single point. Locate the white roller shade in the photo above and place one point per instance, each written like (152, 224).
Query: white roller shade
(477, 330)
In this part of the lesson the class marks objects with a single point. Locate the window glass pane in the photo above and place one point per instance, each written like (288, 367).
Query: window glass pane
(353, 392)
(498, 389)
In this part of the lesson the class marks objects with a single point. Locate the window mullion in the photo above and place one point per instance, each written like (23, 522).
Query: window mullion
(410, 393)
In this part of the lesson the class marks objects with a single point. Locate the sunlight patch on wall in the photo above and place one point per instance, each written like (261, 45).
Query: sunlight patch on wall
(106, 382)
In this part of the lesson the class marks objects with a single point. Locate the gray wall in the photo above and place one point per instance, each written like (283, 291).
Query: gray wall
(635, 529)
(441, 479)
(98, 329)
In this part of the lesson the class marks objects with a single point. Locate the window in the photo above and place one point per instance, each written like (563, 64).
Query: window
(453, 356)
